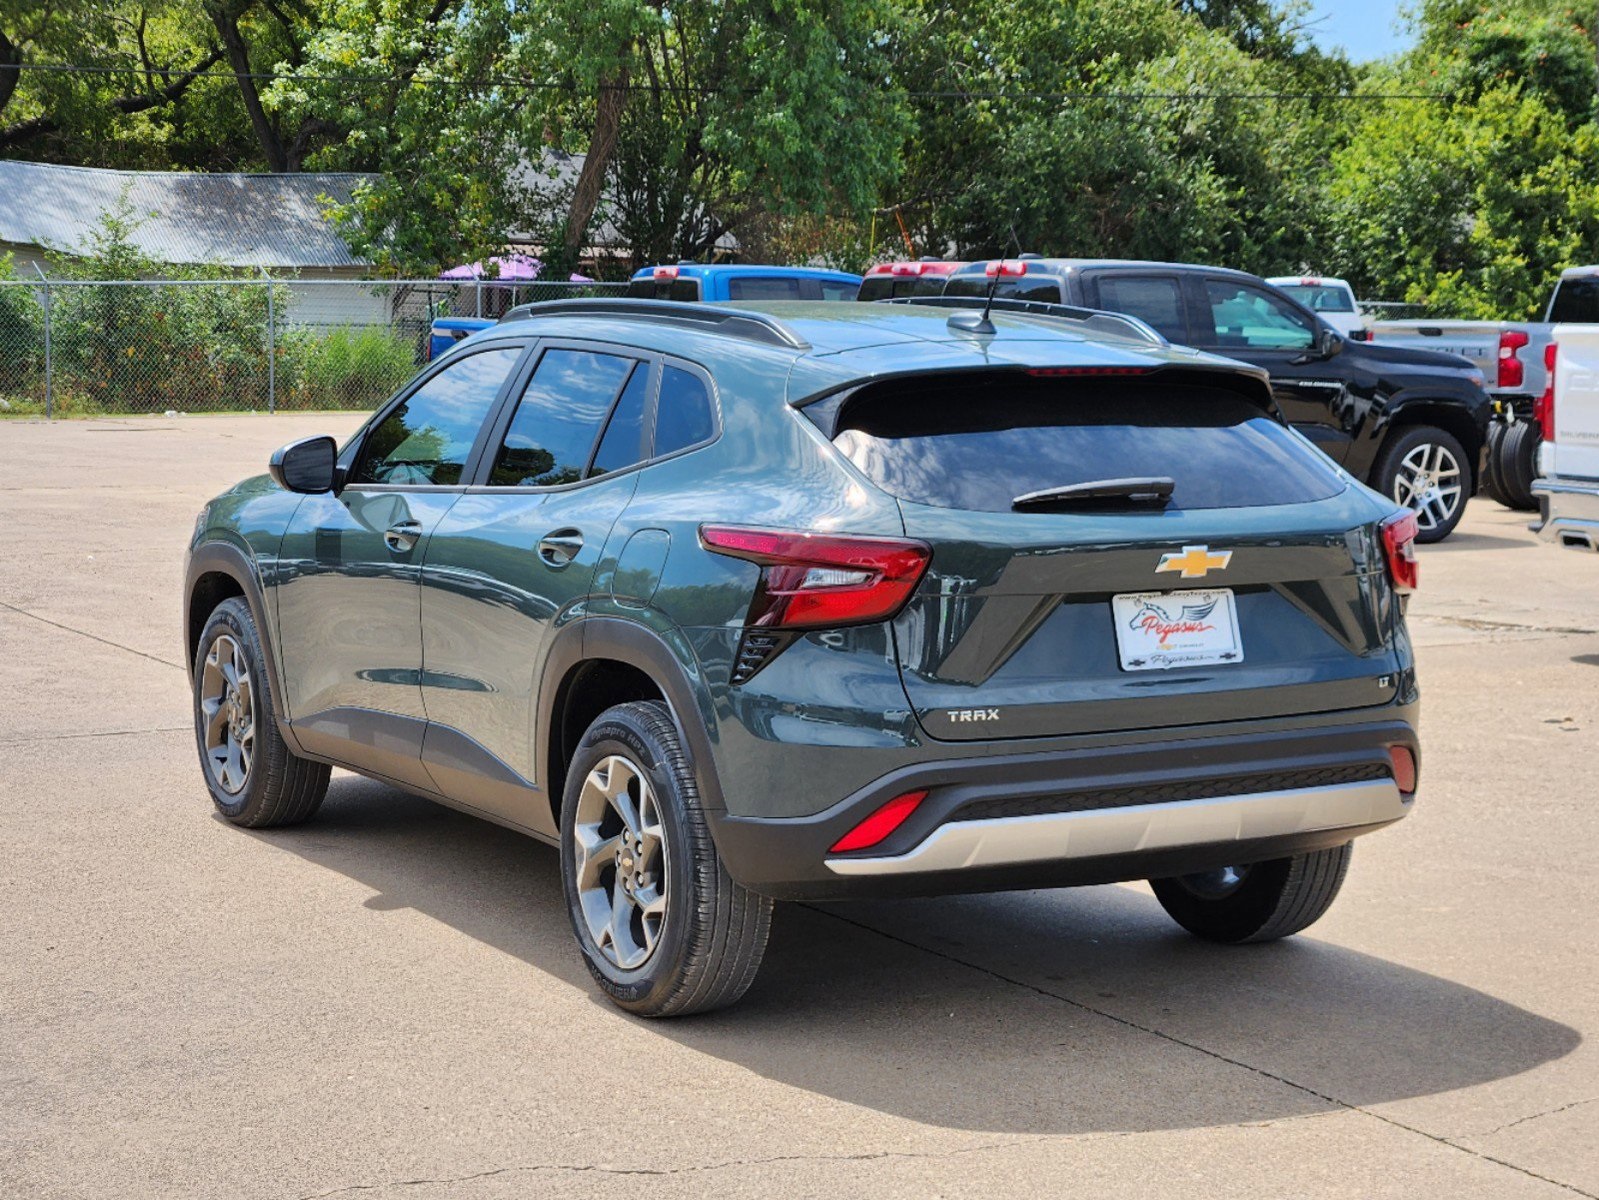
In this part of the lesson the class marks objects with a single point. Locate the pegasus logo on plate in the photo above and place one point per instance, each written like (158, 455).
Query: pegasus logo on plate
(1152, 618)
(1195, 562)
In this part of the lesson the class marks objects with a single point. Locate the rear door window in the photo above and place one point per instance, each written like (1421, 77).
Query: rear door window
(559, 418)
(976, 443)
(1157, 300)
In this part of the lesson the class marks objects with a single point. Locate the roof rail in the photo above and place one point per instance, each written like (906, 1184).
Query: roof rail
(1113, 323)
(739, 323)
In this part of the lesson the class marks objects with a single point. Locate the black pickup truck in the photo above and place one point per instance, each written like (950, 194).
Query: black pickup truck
(1410, 423)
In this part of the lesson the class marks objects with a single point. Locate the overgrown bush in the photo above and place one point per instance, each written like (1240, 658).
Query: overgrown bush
(347, 368)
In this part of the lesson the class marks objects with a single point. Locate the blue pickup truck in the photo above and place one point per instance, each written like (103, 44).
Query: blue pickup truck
(692, 281)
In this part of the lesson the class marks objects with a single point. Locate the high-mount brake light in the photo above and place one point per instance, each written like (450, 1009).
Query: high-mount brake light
(1310, 283)
(821, 580)
(907, 268)
(1005, 268)
(1399, 545)
(1067, 372)
(1543, 408)
(1511, 369)
(880, 824)
(664, 273)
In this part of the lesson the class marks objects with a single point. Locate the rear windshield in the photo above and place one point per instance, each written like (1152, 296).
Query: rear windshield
(882, 287)
(1576, 300)
(1320, 297)
(1026, 287)
(977, 445)
(664, 289)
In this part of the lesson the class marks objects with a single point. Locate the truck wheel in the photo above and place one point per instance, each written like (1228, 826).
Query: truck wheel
(255, 779)
(1257, 903)
(1493, 485)
(1518, 465)
(663, 927)
(1425, 469)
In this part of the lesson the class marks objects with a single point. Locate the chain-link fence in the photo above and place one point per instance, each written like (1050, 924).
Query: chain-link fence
(1393, 310)
(83, 348)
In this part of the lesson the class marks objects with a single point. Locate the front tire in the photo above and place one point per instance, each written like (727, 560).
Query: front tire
(1260, 902)
(254, 778)
(662, 926)
(1425, 469)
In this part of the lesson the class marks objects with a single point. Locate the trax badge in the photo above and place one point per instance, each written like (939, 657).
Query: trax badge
(1195, 561)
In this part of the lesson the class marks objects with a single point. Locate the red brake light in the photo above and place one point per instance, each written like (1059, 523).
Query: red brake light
(1511, 370)
(880, 824)
(1005, 268)
(1068, 372)
(664, 273)
(908, 268)
(820, 580)
(1310, 283)
(1543, 408)
(1399, 544)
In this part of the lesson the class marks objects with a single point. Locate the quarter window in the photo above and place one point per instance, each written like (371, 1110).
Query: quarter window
(428, 438)
(559, 418)
(1246, 316)
(683, 414)
(623, 442)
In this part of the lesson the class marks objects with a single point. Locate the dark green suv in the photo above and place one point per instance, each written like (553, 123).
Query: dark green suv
(823, 601)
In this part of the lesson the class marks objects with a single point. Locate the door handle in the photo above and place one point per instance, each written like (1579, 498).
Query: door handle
(560, 546)
(402, 535)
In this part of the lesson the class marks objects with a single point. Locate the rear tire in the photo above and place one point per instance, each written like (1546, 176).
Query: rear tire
(663, 928)
(1257, 903)
(255, 779)
(1493, 485)
(1425, 469)
(1518, 466)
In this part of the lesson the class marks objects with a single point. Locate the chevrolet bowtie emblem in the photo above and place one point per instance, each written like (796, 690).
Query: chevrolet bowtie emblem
(1194, 561)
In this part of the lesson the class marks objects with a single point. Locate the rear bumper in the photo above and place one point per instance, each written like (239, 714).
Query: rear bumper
(1568, 513)
(1090, 816)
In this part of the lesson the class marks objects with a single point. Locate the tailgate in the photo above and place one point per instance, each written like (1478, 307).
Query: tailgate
(1574, 452)
(1478, 341)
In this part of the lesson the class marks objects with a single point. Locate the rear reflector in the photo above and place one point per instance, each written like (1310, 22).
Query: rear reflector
(1005, 268)
(1399, 545)
(880, 824)
(1404, 768)
(1511, 369)
(1543, 408)
(819, 581)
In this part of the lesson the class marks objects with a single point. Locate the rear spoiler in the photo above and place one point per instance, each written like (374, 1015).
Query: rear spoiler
(1114, 324)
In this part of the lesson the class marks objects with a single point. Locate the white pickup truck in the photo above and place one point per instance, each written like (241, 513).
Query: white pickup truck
(1513, 357)
(1568, 486)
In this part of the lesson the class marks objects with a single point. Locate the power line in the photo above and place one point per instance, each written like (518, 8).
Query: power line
(151, 75)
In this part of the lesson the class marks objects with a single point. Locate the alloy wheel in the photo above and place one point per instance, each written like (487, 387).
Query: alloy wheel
(1429, 482)
(227, 712)
(620, 856)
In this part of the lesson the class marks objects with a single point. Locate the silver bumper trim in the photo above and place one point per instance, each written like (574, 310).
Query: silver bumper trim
(1004, 841)
(1570, 515)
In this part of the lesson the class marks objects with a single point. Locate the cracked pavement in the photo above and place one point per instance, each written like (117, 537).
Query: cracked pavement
(385, 1002)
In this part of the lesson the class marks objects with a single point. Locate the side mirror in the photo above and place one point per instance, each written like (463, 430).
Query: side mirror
(307, 466)
(1328, 342)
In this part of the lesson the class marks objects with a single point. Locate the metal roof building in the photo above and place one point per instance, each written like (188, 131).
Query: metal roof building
(236, 220)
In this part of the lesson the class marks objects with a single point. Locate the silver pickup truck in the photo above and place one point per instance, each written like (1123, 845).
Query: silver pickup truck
(1515, 359)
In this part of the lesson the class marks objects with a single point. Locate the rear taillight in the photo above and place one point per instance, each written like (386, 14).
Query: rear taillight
(1543, 408)
(1005, 268)
(819, 580)
(1399, 545)
(1511, 369)
(880, 824)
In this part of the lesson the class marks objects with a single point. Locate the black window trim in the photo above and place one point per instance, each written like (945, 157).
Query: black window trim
(351, 455)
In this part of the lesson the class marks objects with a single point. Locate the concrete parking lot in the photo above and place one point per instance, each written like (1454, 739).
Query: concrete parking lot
(387, 1002)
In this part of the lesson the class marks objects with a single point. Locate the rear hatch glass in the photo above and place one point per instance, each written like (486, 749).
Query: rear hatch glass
(1256, 589)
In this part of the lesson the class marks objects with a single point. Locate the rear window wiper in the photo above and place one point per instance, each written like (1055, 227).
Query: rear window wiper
(1153, 491)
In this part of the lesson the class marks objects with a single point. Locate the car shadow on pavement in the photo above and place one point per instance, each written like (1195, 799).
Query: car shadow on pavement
(1044, 1012)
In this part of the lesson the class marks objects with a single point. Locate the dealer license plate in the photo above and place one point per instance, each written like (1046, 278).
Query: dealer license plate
(1159, 630)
